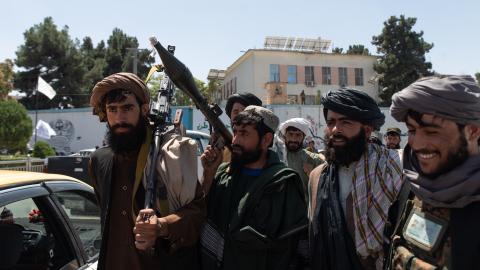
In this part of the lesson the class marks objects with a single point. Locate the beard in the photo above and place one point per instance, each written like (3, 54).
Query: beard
(454, 159)
(393, 146)
(351, 151)
(241, 157)
(127, 141)
(293, 146)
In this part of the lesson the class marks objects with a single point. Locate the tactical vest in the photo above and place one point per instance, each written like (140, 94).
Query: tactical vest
(422, 238)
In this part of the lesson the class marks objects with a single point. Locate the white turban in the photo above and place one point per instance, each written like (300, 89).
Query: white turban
(300, 123)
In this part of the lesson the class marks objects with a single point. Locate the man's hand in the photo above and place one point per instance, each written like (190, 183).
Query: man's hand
(147, 228)
(211, 159)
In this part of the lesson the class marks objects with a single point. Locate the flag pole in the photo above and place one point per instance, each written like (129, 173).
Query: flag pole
(36, 113)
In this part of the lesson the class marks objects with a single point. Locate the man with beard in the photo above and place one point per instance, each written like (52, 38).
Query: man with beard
(293, 133)
(439, 223)
(133, 238)
(351, 194)
(255, 204)
(392, 138)
(236, 103)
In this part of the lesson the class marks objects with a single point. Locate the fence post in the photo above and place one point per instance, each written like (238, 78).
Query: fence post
(29, 164)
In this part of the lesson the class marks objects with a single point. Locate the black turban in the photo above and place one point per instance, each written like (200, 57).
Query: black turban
(456, 98)
(354, 104)
(246, 99)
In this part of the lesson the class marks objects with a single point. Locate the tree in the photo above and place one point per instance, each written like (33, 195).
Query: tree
(42, 149)
(213, 88)
(403, 56)
(94, 61)
(179, 97)
(358, 49)
(16, 128)
(120, 53)
(477, 77)
(52, 54)
(337, 50)
(6, 78)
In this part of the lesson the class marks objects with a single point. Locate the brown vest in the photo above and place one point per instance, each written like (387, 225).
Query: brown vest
(410, 251)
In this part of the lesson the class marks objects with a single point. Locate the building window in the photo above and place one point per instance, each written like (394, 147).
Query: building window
(309, 78)
(326, 75)
(359, 76)
(274, 73)
(342, 76)
(292, 74)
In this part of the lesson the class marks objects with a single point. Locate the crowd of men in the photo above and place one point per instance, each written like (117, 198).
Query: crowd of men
(357, 204)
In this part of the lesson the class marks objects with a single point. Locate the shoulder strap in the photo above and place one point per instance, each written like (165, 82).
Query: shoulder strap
(394, 221)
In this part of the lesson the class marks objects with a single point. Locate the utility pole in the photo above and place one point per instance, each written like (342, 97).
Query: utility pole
(135, 58)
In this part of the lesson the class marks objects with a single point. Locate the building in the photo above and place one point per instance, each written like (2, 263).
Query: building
(298, 71)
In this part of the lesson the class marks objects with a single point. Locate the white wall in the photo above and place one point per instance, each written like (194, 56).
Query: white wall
(79, 129)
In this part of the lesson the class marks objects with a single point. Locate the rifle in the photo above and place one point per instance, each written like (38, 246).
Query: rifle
(183, 79)
(159, 116)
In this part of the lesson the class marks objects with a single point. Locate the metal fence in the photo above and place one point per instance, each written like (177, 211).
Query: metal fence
(29, 165)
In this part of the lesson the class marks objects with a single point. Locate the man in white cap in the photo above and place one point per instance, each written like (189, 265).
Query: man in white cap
(293, 132)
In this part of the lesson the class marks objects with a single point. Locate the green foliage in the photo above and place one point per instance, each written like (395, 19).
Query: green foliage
(16, 128)
(179, 97)
(120, 54)
(358, 49)
(403, 56)
(52, 54)
(337, 50)
(477, 77)
(42, 149)
(72, 67)
(6, 78)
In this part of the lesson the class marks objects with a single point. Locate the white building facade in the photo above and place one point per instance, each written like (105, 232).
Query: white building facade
(280, 76)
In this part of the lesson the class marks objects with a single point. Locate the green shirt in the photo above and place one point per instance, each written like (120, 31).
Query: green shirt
(261, 217)
(296, 161)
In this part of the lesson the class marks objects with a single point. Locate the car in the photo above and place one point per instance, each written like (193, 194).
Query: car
(47, 221)
(202, 140)
(84, 152)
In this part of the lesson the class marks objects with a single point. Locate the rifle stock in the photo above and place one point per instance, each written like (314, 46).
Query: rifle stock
(183, 79)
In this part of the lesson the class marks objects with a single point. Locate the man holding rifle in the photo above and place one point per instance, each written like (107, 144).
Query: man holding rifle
(132, 238)
(256, 205)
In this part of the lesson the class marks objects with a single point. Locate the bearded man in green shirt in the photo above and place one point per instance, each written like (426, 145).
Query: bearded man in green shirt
(256, 207)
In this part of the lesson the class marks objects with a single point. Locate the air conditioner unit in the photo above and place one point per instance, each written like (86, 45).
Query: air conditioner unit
(310, 83)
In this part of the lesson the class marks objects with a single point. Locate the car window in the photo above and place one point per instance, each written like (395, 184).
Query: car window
(84, 215)
(31, 237)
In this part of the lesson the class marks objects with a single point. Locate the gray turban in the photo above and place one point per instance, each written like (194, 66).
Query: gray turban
(456, 98)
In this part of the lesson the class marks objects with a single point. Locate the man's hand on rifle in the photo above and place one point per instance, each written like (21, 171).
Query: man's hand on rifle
(147, 228)
(211, 159)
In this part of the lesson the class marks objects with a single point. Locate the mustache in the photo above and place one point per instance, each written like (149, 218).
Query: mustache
(237, 147)
(338, 136)
(122, 125)
(425, 151)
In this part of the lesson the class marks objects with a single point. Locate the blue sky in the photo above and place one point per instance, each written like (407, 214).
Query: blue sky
(212, 34)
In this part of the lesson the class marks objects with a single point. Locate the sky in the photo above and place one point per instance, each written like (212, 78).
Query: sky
(213, 34)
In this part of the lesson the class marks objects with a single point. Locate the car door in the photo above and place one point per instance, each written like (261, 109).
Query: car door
(33, 231)
(79, 208)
